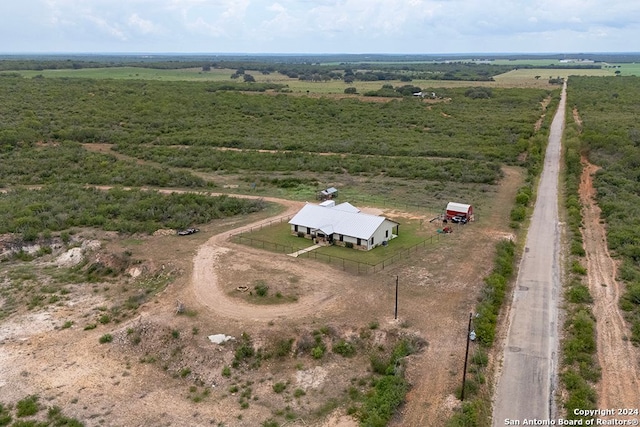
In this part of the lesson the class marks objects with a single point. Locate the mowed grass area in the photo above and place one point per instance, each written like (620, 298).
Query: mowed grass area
(627, 69)
(412, 233)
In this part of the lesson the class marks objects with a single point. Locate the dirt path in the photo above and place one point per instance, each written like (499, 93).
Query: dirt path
(620, 382)
(209, 293)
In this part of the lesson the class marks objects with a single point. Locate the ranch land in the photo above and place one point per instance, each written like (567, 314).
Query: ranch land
(109, 317)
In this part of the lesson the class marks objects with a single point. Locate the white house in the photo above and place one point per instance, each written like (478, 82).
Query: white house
(342, 224)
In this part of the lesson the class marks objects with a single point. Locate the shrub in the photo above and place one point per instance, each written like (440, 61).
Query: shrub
(67, 324)
(518, 213)
(378, 364)
(5, 416)
(27, 406)
(261, 289)
(318, 351)
(348, 245)
(245, 350)
(226, 372)
(577, 248)
(469, 415)
(344, 348)
(633, 293)
(388, 394)
(106, 338)
(578, 268)
(579, 294)
(279, 387)
(523, 196)
(283, 347)
(480, 358)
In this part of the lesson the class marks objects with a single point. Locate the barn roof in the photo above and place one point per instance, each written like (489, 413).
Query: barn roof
(458, 207)
(335, 220)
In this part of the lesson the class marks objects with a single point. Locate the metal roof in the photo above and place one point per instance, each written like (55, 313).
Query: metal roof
(458, 207)
(333, 220)
(347, 207)
(329, 191)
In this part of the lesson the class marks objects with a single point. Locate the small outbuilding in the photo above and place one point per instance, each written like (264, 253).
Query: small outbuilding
(460, 210)
(328, 194)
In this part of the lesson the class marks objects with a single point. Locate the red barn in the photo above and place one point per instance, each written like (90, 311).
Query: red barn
(459, 209)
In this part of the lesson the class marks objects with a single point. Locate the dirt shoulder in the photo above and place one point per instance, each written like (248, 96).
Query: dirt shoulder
(618, 358)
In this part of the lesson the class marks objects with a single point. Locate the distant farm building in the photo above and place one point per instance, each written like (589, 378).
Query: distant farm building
(328, 194)
(343, 225)
(460, 210)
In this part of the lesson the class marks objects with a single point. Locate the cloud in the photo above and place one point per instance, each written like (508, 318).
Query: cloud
(406, 26)
(142, 25)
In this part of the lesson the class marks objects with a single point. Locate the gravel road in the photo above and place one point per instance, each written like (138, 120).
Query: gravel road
(526, 386)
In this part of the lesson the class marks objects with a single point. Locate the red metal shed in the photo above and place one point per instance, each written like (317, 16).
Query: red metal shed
(459, 209)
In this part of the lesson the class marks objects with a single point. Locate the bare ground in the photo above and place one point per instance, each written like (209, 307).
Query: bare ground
(618, 358)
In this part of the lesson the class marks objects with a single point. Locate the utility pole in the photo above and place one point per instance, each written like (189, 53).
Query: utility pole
(466, 358)
(395, 316)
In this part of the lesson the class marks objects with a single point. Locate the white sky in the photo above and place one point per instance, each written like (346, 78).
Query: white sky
(319, 26)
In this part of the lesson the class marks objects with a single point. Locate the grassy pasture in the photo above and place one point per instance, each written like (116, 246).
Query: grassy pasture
(134, 73)
(526, 77)
(627, 69)
(516, 78)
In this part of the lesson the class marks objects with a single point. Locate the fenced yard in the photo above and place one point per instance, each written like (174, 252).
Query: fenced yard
(276, 237)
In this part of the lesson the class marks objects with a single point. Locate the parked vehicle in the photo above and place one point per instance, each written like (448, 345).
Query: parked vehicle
(188, 231)
(459, 219)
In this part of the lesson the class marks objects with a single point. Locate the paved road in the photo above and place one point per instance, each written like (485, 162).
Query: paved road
(525, 389)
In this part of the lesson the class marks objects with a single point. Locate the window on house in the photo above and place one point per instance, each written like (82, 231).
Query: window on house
(372, 240)
(359, 242)
(386, 233)
(341, 238)
(308, 230)
(295, 228)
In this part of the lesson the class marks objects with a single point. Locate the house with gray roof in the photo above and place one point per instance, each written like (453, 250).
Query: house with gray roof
(344, 225)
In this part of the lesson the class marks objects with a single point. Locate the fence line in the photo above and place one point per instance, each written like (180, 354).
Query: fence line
(346, 264)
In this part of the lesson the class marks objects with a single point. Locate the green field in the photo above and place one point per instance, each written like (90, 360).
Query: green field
(517, 78)
(627, 69)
